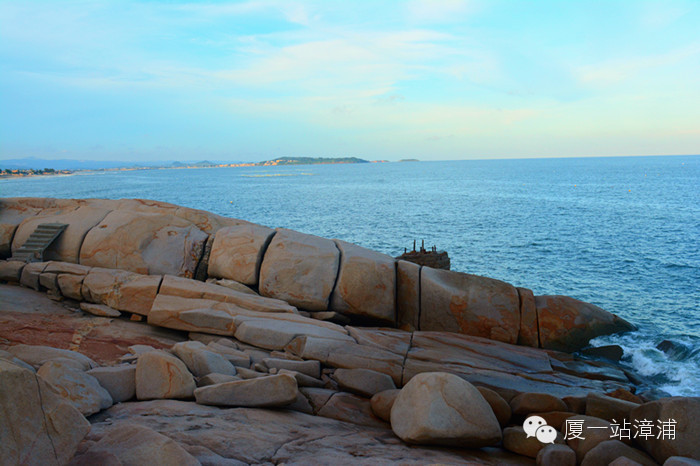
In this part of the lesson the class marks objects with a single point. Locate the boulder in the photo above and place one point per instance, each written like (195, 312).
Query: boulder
(48, 282)
(350, 408)
(237, 252)
(469, 304)
(567, 324)
(556, 455)
(214, 378)
(609, 450)
(10, 358)
(363, 382)
(515, 439)
(610, 352)
(236, 357)
(66, 267)
(193, 315)
(310, 368)
(132, 444)
(232, 285)
(30, 274)
(71, 285)
(145, 243)
(279, 330)
(11, 271)
(264, 392)
(37, 425)
(382, 403)
(201, 361)
(37, 356)
(303, 380)
(595, 431)
(608, 408)
(685, 411)
(119, 381)
(529, 333)
(76, 386)
(681, 461)
(442, 409)
(162, 375)
(99, 310)
(408, 295)
(499, 406)
(318, 397)
(300, 269)
(67, 246)
(529, 403)
(556, 419)
(366, 284)
(121, 290)
(301, 404)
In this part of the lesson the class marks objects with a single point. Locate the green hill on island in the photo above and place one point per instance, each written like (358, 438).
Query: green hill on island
(311, 160)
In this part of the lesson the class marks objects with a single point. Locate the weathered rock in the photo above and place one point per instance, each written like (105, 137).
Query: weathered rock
(556, 419)
(214, 378)
(76, 386)
(30, 274)
(608, 408)
(363, 382)
(236, 357)
(238, 251)
(301, 404)
(232, 285)
(37, 426)
(685, 411)
(595, 431)
(499, 406)
(249, 373)
(71, 285)
(575, 404)
(303, 380)
(48, 282)
(13, 211)
(300, 269)
(556, 455)
(11, 271)
(145, 243)
(567, 324)
(37, 356)
(318, 397)
(609, 450)
(310, 368)
(408, 295)
(66, 267)
(161, 375)
(194, 315)
(626, 395)
(99, 310)
(18, 362)
(528, 403)
(529, 333)
(442, 409)
(366, 284)
(611, 352)
(276, 331)
(623, 461)
(469, 304)
(264, 392)
(516, 440)
(119, 381)
(121, 290)
(350, 408)
(134, 444)
(681, 461)
(389, 339)
(200, 361)
(382, 403)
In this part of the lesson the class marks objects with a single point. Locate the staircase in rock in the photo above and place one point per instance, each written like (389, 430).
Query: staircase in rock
(40, 239)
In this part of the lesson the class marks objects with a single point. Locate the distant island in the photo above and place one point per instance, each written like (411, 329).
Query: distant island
(15, 173)
(310, 161)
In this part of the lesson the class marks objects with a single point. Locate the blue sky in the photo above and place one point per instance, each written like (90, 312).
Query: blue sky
(434, 80)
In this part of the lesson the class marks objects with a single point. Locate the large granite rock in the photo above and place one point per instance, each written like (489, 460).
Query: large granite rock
(609, 408)
(350, 408)
(146, 243)
(595, 431)
(363, 382)
(200, 361)
(529, 332)
(685, 411)
(567, 324)
(442, 409)
(71, 286)
(366, 284)
(300, 269)
(192, 315)
(11, 271)
(37, 355)
(273, 391)
(76, 386)
(238, 251)
(529, 403)
(608, 451)
(408, 295)
(469, 304)
(119, 381)
(67, 246)
(121, 290)
(31, 273)
(275, 331)
(37, 426)
(162, 375)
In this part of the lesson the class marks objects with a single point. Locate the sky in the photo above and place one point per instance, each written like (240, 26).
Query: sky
(427, 79)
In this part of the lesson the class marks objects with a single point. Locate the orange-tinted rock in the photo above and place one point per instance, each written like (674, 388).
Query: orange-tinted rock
(30, 274)
(162, 375)
(594, 431)
(556, 419)
(499, 406)
(300, 269)
(382, 402)
(66, 247)
(529, 403)
(145, 243)
(366, 284)
(408, 295)
(350, 408)
(608, 408)
(622, 394)
(529, 333)
(237, 253)
(121, 290)
(567, 324)
(11, 271)
(516, 440)
(469, 304)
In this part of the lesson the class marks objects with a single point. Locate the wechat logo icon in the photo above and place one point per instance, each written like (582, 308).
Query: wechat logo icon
(535, 426)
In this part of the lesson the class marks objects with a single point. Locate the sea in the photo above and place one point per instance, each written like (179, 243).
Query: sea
(620, 232)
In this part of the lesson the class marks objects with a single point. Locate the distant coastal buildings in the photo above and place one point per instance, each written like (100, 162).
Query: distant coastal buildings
(15, 173)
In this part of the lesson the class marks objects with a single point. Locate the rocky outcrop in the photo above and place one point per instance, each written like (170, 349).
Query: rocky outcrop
(237, 253)
(264, 392)
(76, 386)
(161, 375)
(121, 290)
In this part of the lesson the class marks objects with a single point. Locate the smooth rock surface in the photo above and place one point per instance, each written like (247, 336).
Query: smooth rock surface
(37, 356)
(609, 450)
(469, 304)
(121, 290)
(442, 409)
(499, 406)
(382, 403)
(595, 431)
(516, 440)
(119, 381)
(608, 408)
(529, 332)
(237, 253)
(201, 361)
(11, 271)
(264, 392)
(71, 285)
(408, 295)
(556, 455)
(161, 375)
(99, 310)
(350, 408)
(300, 269)
(310, 368)
(528, 403)
(363, 382)
(76, 386)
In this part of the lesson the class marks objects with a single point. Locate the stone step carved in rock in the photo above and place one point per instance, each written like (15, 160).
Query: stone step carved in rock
(42, 237)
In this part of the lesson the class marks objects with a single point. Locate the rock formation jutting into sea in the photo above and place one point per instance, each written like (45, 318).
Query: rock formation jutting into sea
(150, 332)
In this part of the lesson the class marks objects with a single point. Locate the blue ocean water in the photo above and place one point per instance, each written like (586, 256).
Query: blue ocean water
(622, 233)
